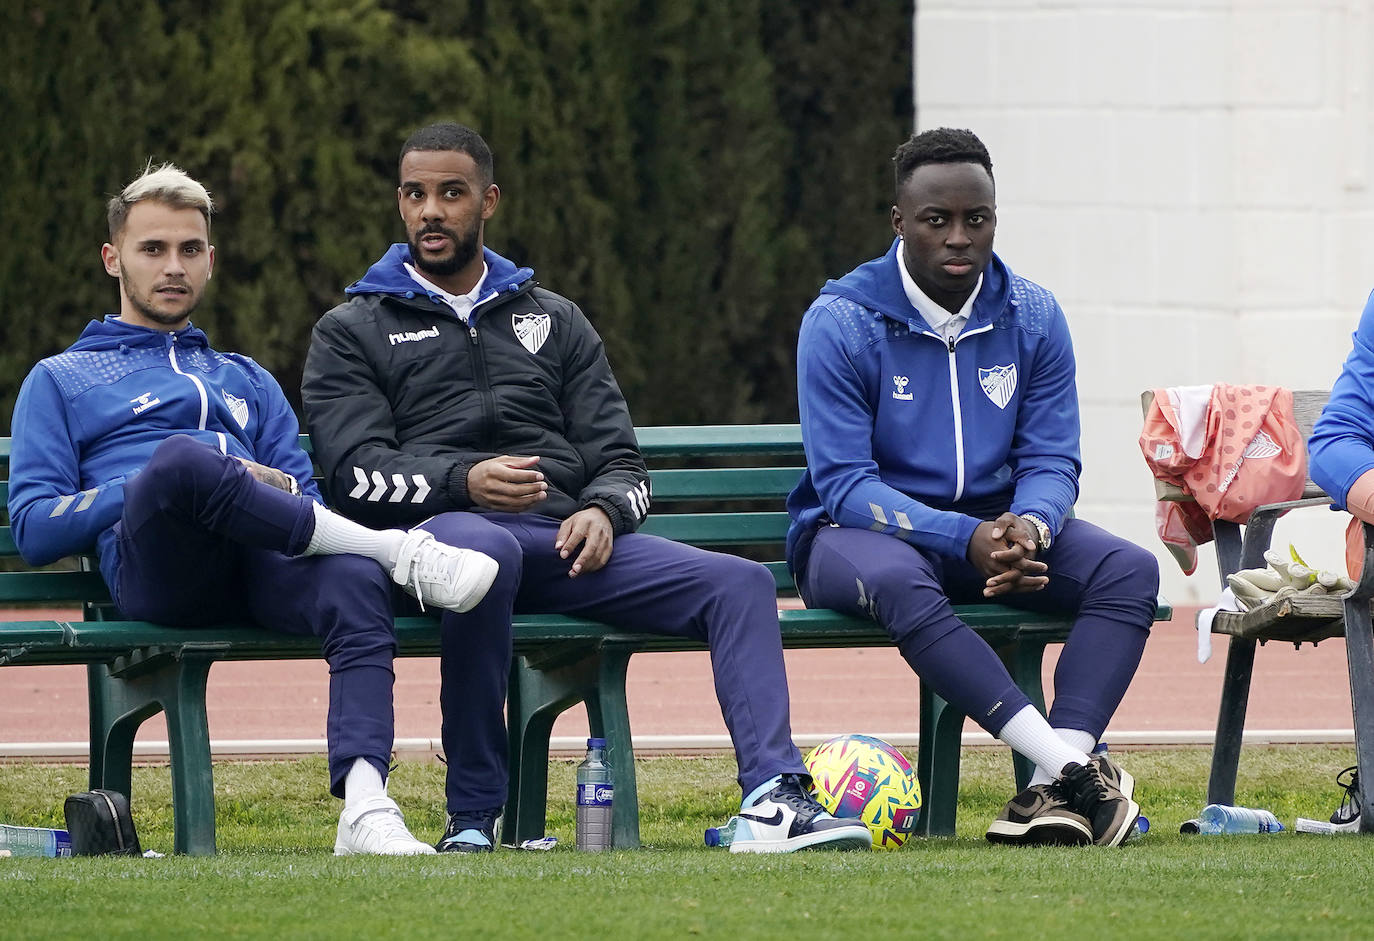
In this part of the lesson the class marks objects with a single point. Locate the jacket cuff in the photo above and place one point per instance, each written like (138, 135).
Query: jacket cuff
(619, 524)
(458, 484)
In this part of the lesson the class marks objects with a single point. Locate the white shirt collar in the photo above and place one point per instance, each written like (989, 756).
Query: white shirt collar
(462, 304)
(946, 324)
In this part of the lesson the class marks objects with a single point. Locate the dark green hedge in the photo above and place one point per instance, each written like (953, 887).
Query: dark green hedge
(689, 172)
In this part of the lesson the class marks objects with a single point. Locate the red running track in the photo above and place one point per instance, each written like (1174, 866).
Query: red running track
(671, 694)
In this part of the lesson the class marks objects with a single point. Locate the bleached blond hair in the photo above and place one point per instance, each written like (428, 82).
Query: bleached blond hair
(167, 184)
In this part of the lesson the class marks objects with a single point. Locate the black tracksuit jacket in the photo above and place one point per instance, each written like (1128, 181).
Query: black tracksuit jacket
(402, 399)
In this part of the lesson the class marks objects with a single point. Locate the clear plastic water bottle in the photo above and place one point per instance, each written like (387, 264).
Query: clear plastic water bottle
(595, 794)
(722, 836)
(1223, 818)
(34, 841)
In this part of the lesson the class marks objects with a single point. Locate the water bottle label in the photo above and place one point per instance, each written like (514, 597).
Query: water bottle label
(595, 795)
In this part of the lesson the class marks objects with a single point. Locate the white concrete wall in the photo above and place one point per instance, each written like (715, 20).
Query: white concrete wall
(1192, 180)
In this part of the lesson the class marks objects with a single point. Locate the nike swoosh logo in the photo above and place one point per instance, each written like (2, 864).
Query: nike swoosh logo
(772, 821)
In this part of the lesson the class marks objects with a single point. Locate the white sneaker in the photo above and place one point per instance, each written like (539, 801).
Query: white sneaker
(787, 818)
(443, 575)
(375, 828)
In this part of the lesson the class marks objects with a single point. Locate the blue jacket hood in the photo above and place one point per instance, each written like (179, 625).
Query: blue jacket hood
(389, 276)
(877, 285)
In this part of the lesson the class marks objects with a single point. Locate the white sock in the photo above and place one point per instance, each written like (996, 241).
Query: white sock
(363, 781)
(1074, 738)
(336, 535)
(1031, 735)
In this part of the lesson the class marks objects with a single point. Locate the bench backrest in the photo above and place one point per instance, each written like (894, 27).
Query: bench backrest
(1307, 407)
(716, 486)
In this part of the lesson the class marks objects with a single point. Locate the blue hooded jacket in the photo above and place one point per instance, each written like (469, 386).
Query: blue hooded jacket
(919, 439)
(88, 419)
(1341, 449)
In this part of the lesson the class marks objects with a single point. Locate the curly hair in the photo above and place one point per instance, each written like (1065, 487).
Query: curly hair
(941, 145)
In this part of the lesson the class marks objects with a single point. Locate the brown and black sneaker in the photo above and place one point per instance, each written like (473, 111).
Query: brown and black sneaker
(1089, 791)
(1040, 816)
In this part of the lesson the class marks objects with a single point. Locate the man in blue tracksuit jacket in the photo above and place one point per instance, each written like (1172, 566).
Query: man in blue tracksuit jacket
(180, 466)
(940, 419)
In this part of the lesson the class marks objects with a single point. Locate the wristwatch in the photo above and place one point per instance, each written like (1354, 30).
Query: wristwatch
(1043, 537)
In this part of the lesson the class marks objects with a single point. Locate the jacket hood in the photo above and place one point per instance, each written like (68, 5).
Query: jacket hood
(112, 333)
(877, 285)
(389, 276)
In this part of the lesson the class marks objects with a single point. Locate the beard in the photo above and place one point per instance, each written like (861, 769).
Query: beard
(464, 250)
(152, 314)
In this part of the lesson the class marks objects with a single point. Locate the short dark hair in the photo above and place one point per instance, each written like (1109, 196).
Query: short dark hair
(941, 145)
(450, 136)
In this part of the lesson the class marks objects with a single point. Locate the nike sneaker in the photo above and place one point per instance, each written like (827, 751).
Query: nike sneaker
(470, 832)
(1094, 790)
(781, 816)
(1040, 816)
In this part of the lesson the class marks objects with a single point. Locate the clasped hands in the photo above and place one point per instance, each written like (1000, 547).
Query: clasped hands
(1004, 551)
(512, 484)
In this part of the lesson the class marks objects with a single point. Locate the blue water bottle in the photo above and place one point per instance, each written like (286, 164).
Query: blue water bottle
(595, 795)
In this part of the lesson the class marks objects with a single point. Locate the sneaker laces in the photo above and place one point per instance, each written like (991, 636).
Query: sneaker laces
(1085, 790)
(422, 558)
(792, 792)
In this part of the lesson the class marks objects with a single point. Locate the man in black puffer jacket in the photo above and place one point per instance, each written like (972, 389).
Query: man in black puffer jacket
(453, 393)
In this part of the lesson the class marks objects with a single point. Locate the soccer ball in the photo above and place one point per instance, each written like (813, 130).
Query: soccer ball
(865, 777)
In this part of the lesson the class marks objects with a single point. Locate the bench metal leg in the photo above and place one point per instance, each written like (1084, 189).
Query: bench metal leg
(119, 705)
(1359, 647)
(1235, 698)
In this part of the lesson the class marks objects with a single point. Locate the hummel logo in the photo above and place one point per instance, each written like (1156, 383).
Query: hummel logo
(773, 821)
(901, 383)
(144, 402)
(410, 336)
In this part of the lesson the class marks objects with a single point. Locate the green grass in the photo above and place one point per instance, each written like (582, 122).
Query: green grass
(275, 876)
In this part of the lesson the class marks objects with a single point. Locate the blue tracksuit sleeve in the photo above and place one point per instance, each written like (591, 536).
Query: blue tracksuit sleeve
(278, 436)
(53, 512)
(1342, 445)
(1044, 455)
(837, 423)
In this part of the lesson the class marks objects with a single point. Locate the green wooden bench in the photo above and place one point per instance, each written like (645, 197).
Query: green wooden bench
(717, 486)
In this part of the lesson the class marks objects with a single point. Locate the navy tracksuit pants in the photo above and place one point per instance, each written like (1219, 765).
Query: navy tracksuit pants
(201, 540)
(1109, 584)
(649, 584)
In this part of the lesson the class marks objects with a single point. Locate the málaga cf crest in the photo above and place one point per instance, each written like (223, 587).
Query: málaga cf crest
(531, 330)
(237, 407)
(999, 383)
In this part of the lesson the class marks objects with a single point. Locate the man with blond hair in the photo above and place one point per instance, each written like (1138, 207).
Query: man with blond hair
(180, 467)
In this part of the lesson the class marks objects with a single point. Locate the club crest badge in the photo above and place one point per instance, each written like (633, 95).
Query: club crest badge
(999, 383)
(237, 407)
(531, 330)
